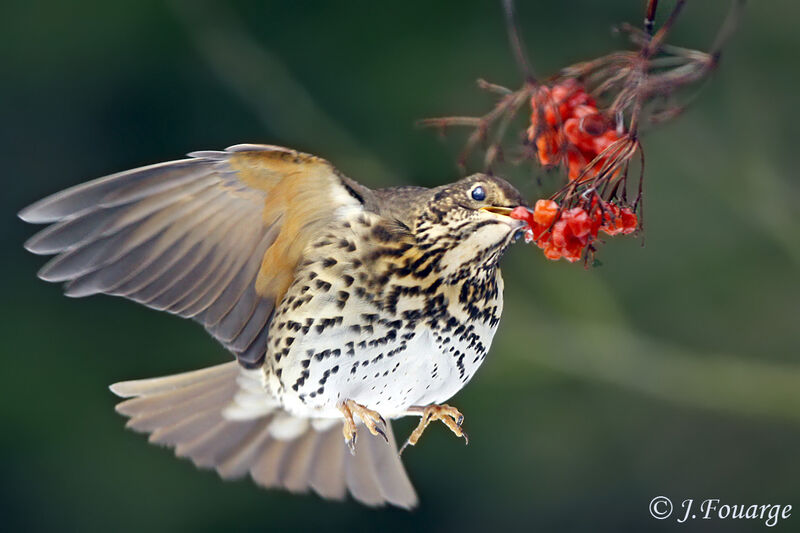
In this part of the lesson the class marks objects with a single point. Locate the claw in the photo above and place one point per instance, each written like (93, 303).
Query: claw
(403, 447)
(450, 416)
(372, 419)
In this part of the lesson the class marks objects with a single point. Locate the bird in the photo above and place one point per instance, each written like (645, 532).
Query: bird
(344, 307)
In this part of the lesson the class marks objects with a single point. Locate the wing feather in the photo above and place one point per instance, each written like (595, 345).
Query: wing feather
(147, 262)
(215, 237)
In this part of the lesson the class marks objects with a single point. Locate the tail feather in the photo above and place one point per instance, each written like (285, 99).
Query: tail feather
(186, 430)
(210, 450)
(327, 473)
(393, 482)
(149, 387)
(237, 462)
(298, 467)
(152, 415)
(361, 477)
(188, 412)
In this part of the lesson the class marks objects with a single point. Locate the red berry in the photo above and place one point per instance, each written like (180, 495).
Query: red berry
(522, 213)
(578, 220)
(575, 164)
(551, 252)
(629, 221)
(544, 212)
(572, 251)
(561, 233)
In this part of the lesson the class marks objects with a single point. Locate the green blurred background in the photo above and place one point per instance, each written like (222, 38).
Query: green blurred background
(672, 369)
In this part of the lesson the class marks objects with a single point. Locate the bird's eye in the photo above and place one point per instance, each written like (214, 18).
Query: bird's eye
(478, 194)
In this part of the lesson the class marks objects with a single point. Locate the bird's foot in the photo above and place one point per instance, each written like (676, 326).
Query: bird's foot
(450, 416)
(372, 419)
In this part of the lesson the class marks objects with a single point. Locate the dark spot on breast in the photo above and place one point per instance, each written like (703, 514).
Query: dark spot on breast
(342, 301)
(382, 233)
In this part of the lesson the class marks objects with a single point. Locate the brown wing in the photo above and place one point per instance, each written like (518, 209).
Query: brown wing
(215, 238)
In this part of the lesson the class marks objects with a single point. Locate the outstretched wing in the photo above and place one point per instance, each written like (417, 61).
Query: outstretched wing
(215, 237)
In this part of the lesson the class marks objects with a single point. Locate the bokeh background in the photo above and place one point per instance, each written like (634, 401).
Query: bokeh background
(672, 369)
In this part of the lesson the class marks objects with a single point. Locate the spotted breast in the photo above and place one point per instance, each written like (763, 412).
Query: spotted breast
(374, 316)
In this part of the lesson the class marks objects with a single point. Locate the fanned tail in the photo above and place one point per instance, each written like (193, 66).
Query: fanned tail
(214, 417)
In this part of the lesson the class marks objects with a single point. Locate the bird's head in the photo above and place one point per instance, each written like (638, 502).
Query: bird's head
(469, 221)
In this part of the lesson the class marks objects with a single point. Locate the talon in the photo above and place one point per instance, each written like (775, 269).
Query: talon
(450, 416)
(372, 419)
(403, 447)
(349, 429)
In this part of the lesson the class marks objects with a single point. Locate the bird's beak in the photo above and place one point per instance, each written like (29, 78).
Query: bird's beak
(504, 215)
(497, 210)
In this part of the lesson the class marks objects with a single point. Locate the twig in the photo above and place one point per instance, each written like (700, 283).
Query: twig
(515, 39)
(650, 16)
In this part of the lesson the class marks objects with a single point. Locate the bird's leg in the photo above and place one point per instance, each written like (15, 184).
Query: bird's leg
(450, 416)
(372, 419)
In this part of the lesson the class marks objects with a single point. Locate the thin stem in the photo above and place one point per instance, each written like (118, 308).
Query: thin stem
(728, 27)
(515, 39)
(650, 16)
(659, 37)
(493, 87)
(445, 122)
(518, 101)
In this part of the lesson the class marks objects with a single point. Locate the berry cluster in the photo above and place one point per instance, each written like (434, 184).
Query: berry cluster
(586, 120)
(565, 121)
(567, 233)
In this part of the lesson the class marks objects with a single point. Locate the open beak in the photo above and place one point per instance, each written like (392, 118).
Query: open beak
(504, 211)
(504, 215)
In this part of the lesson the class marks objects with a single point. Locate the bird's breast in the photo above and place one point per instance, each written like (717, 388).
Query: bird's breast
(387, 336)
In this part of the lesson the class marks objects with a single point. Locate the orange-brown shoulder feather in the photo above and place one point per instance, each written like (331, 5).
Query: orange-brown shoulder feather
(302, 195)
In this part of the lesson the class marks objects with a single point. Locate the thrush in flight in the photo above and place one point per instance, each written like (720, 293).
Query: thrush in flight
(345, 307)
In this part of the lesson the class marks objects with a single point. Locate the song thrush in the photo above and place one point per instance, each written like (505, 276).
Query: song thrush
(342, 305)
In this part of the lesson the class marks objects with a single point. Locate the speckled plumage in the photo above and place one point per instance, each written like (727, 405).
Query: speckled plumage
(325, 290)
(377, 315)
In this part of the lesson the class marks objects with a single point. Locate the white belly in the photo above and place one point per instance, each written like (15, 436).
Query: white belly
(388, 377)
